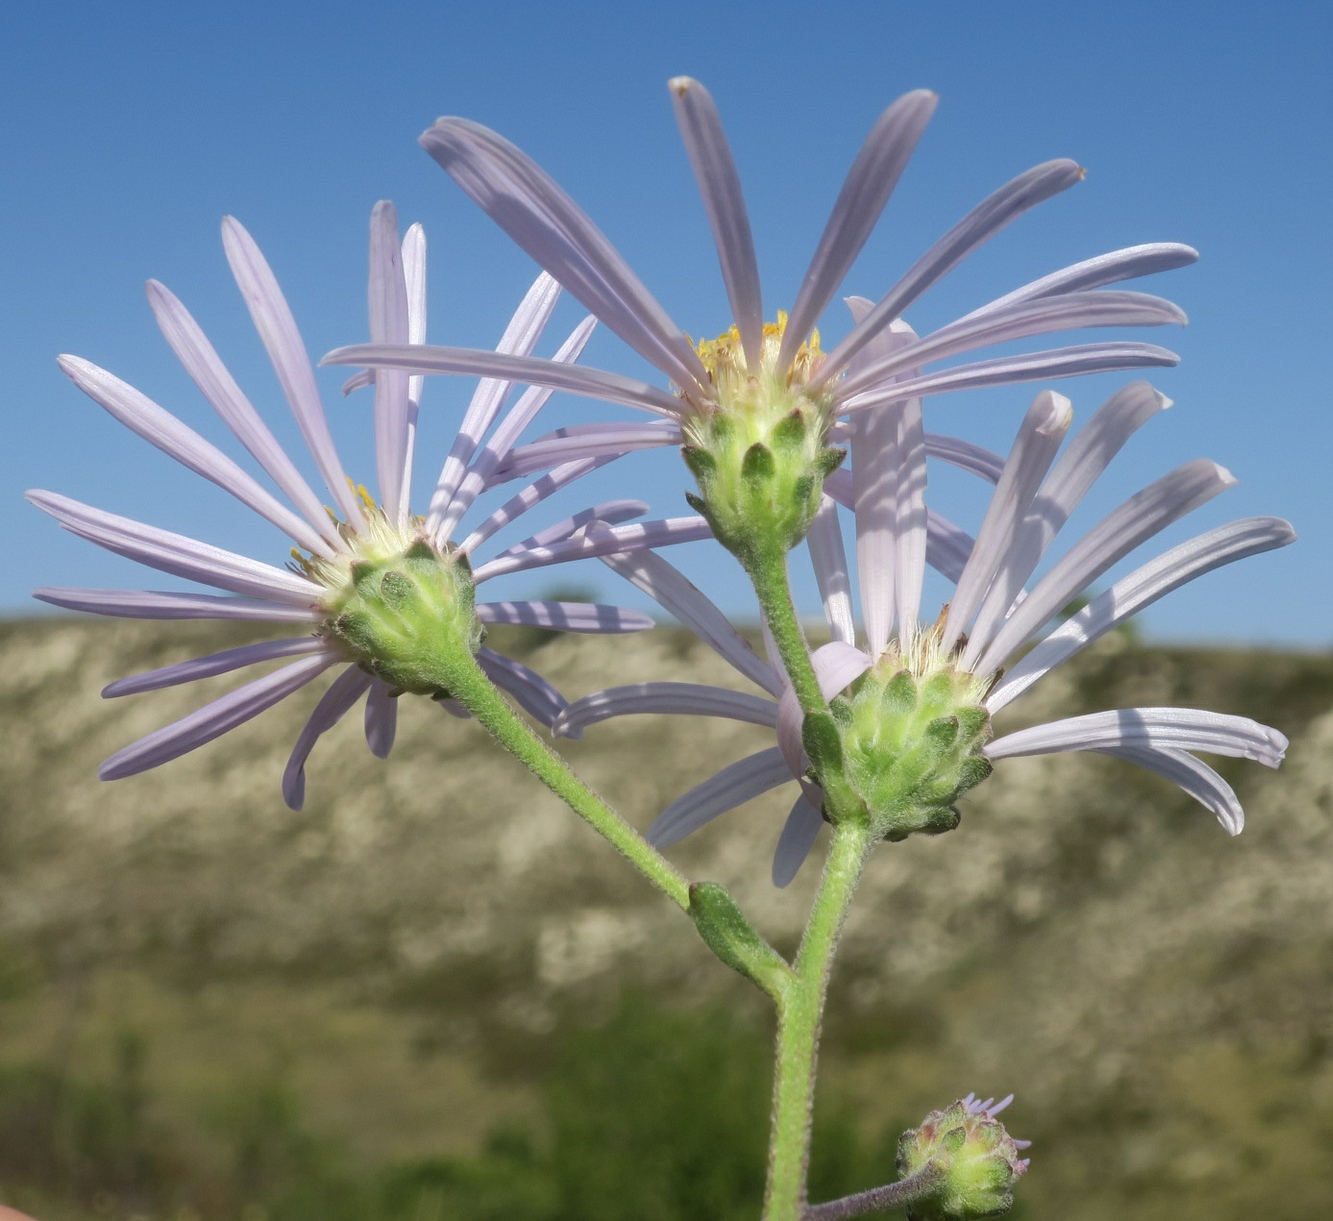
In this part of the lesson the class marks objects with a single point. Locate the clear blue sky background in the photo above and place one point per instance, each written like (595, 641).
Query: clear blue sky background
(131, 129)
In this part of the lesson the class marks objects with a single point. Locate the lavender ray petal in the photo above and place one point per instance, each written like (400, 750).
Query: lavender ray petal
(217, 385)
(983, 222)
(798, 836)
(387, 306)
(1039, 438)
(528, 205)
(671, 589)
(287, 352)
(837, 666)
(213, 719)
(607, 441)
(1110, 268)
(152, 604)
(1236, 541)
(828, 557)
(612, 512)
(176, 554)
(1075, 311)
(734, 785)
(684, 699)
(1194, 777)
(1077, 469)
(865, 191)
(501, 443)
(414, 275)
(519, 339)
(1116, 535)
(965, 455)
(532, 692)
(566, 616)
(215, 663)
(639, 536)
(163, 430)
(533, 494)
(333, 705)
(381, 721)
(720, 186)
(528, 370)
(948, 547)
(1150, 728)
(1034, 366)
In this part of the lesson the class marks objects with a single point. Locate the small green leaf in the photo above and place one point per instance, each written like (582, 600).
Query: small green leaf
(730, 936)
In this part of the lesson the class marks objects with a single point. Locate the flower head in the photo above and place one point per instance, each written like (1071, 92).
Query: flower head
(755, 407)
(912, 703)
(383, 593)
(976, 1158)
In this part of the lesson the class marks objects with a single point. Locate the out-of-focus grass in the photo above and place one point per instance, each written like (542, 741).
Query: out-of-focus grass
(402, 1002)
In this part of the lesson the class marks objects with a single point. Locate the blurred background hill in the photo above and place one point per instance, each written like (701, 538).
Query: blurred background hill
(434, 994)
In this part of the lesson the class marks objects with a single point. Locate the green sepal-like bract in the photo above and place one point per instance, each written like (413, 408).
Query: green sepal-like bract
(730, 936)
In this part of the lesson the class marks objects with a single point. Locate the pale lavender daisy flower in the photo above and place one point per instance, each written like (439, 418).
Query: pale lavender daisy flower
(332, 543)
(996, 611)
(766, 370)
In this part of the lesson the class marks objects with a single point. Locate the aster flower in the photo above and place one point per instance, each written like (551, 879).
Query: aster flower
(771, 385)
(338, 549)
(915, 699)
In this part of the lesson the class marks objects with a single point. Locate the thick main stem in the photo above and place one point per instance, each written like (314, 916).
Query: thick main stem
(800, 1014)
(469, 685)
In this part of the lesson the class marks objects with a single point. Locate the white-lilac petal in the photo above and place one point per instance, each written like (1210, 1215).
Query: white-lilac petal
(1192, 776)
(177, 554)
(865, 191)
(528, 370)
(1235, 541)
(965, 455)
(217, 385)
(1056, 363)
(159, 604)
(506, 434)
(530, 690)
(381, 719)
(798, 836)
(720, 186)
(828, 557)
(333, 705)
(566, 616)
(672, 590)
(734, 785)
(528, 205)
(587, 441)
(277, 329)
(1039, 439)
(638, 536)
(532, 495)
(214, 664)
(610, 512)
(519, 338)
(837, 666)
(1191, 729)
(985, 220)
(213, 719)
(665, 698)
(1115, 536)
(386, 293)
(1087, 455)
(1023, 320)
(414, 275)
(160, 428)
(1109, 268)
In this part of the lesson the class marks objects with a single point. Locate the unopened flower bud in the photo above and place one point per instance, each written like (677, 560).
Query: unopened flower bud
(977, 1161)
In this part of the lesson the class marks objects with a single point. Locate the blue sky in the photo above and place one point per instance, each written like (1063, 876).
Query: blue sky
(132, 129)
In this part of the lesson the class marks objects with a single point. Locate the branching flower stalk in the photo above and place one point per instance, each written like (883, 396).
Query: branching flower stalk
(884, 729)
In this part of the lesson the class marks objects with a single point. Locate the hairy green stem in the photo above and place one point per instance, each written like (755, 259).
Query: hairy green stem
(768, 573)
(800, 1013)
(468, 684)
